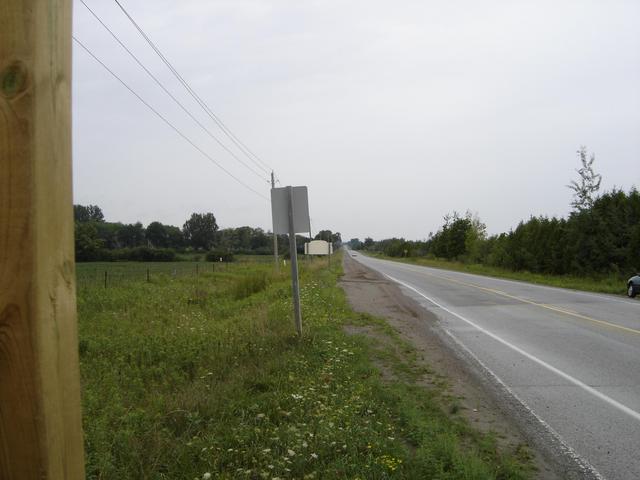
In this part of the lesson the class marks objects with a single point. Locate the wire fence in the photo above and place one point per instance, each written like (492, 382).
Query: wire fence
(115, 273)
(111, 274)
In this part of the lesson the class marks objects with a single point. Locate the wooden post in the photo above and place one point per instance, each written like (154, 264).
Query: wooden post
(40, 420)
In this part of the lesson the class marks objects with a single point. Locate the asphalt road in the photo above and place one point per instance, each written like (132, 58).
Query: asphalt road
(570, 359)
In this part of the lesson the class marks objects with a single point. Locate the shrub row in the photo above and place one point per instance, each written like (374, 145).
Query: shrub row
(135, 254)
(217, 255)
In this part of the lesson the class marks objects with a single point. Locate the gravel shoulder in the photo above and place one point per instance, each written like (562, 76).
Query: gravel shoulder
(479, 402)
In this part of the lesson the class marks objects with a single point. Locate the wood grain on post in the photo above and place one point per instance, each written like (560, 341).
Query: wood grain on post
(40, 420)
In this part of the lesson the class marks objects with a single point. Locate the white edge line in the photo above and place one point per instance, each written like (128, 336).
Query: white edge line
(614, 403)
(581, 462)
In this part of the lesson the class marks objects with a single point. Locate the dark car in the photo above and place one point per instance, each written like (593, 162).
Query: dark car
(633, 286)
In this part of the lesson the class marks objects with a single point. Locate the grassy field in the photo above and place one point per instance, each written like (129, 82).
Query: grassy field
(202, 376)
(118, 272)
(614, 284)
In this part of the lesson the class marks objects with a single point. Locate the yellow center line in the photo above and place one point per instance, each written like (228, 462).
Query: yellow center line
(541, 305)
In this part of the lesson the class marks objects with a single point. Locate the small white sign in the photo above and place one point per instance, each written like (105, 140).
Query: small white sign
(280, 209)
(318, 247)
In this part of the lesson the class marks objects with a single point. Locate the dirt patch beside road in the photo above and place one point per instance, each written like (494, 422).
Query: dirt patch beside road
(369, 292)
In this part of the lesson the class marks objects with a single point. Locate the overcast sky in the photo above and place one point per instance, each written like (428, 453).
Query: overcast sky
(393, 113)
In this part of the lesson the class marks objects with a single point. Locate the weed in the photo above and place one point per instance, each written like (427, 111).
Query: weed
(195, 375)
(247, 285)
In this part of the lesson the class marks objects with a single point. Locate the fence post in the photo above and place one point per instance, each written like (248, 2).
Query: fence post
(40, 420)
(105, 279)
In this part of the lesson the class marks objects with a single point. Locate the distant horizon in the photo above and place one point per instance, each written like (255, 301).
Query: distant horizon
(345, 238)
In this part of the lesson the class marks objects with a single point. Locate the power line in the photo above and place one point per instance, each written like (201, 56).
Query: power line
(159, 115)
(252, 156)
(155, 79)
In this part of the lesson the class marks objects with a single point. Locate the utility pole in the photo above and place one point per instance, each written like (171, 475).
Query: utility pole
(40, 419)
(275, 235)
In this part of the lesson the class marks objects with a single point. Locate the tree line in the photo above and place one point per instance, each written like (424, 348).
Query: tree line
(99, 240)
(600, 236)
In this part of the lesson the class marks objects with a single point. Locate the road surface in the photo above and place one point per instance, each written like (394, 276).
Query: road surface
(570, 360)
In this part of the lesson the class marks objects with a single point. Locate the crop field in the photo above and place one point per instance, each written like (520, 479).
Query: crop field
(201, 375)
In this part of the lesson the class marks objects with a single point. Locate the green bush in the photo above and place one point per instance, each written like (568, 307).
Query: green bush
(135, 254)
(216, 255)
(144, 254)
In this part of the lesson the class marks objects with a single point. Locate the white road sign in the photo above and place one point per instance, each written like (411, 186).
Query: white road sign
(318, 247)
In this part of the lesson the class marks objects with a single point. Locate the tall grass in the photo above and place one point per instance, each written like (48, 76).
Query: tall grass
(247, 285)
(193, 375)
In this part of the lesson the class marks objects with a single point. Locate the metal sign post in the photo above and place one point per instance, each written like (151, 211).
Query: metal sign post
(275, 235)
(290, 213)
(293, 253)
